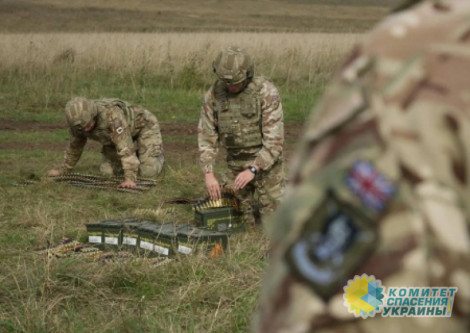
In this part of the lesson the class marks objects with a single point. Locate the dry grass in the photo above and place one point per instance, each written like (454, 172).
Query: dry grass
(292, 54)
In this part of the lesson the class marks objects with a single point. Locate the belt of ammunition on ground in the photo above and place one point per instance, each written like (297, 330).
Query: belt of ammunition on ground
(73, 249)
(97, 182)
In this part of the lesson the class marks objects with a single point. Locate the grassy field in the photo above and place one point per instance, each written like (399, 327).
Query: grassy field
(167, 69)
(166, 72)
(191, 15)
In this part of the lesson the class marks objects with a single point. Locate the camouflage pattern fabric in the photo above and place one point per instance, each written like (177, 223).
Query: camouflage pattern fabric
(267, 189)
(246, 147)
(387, 152)
(131, 139)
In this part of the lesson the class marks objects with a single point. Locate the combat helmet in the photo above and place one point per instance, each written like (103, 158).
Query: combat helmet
(233, 65)
(79, 111)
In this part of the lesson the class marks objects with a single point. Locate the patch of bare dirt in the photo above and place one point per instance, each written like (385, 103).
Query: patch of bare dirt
(172, 147)
(22, 126)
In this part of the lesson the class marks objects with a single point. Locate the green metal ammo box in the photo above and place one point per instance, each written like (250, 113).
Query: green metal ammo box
(95, 233)
(112, 232)
(158, 238)
(197, 240)
(219, 219)
(130, 233)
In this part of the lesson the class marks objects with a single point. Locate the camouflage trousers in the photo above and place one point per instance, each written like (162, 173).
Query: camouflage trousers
(264, 191)
(149, 149)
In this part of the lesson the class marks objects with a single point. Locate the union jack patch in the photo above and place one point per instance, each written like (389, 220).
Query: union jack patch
(369, 185)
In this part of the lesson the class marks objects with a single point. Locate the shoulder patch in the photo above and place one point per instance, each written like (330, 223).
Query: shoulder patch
(334, 242)
(117, 126)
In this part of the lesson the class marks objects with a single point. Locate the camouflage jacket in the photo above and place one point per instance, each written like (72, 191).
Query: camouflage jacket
(270, 126)
(380, 184)
(117, 124)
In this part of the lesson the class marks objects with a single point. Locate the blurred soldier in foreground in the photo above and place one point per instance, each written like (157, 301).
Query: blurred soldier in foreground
(381, 183)
(244, 113)
(130, 135)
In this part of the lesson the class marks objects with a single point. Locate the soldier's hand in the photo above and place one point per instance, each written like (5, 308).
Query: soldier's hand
(243, 178)
(212, 185)
(53, 173)
(128, 184)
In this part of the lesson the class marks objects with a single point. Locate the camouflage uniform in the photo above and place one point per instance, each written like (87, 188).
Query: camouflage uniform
(123, 130)
(386, 151)
(250, 126)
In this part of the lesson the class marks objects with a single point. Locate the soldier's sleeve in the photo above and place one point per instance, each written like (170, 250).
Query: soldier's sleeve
(272, 126)
(73, 152)
(379, 165)
(208, 137)
(323, 229)
(122, 139)
(159, 141)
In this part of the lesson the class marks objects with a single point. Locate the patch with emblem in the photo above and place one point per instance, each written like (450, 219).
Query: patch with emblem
(336, 239)
(369, 185)
(117, 124)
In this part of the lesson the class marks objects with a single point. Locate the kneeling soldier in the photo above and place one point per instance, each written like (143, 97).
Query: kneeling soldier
(130, 135)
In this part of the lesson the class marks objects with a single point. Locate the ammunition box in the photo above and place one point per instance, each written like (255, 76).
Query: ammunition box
(130, 233)
(95, 233)
(112, 232)
(158, 238)
(196, 240)
(219, 219)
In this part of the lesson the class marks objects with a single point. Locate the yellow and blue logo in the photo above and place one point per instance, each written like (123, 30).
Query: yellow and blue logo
(363, 296)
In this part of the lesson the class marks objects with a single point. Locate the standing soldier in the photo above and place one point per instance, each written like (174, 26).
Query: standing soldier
(130, 136)
(381, 183)
(244, 113)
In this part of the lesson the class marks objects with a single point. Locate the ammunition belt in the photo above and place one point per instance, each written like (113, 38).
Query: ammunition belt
(228, 199)
(71, 248)
(98, 182)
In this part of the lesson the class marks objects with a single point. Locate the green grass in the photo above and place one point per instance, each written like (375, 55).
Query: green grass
(181, 102)
(43, 94)
(43, 137)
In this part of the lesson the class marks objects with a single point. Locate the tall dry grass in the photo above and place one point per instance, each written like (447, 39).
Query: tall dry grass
(295, 55)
